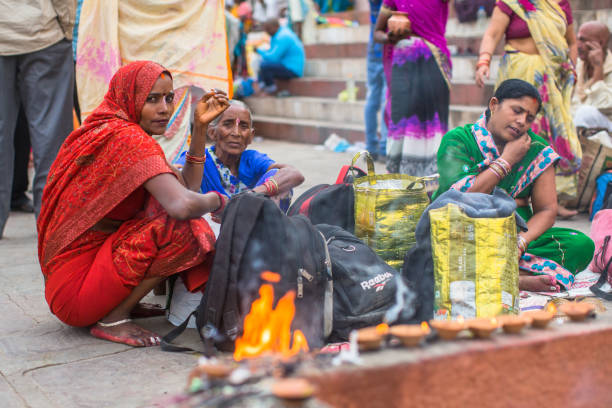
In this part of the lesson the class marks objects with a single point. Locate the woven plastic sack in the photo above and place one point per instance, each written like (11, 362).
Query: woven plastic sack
(475, 262)
(387, 210)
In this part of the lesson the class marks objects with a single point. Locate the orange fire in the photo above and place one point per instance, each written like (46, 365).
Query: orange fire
(551, 308)
(425, 327)
(268, 329)
(382, 328)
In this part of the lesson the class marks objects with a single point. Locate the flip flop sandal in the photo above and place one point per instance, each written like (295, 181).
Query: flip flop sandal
(101, 334)
(144, 310)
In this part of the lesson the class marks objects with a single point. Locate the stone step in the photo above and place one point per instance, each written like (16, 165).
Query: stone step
(463, 92)
(305, 130)
(330, 110)
(457, 46)
(463, 67)
(342, 35)
(292, 118)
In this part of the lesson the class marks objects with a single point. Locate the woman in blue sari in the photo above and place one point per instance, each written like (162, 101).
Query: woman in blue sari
(230, 168)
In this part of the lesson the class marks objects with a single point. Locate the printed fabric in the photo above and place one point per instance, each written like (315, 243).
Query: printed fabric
(552, 73)
(190, 35)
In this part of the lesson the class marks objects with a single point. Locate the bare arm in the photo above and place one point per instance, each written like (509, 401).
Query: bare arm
(287, 177)
(570, 36)
(492, 36)
(211, 105)
(380, 30)
(544, 203)
(179, 202)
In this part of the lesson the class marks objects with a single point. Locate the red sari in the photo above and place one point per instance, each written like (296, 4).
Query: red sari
(98, 178)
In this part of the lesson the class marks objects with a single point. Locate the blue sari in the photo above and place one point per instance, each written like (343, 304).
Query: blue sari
(252, 172)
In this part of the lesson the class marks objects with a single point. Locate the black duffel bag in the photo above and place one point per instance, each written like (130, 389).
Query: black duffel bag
(365, 286)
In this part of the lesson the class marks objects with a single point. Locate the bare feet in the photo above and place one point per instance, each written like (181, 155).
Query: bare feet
(143, 310)
(565, 213)
(125, 332)
(538, 283)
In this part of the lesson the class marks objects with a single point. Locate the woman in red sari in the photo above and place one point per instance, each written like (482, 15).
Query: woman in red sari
(116, 218)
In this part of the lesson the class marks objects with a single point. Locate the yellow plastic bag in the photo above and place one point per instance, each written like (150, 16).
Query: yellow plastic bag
(387, 210)
(475, 263)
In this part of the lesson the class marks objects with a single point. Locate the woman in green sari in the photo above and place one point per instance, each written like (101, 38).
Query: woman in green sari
(499, 150)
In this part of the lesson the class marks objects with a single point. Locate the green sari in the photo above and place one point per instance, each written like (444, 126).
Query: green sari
(466, 151)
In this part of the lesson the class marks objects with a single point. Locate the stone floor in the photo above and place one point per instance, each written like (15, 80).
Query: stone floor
(44, 363)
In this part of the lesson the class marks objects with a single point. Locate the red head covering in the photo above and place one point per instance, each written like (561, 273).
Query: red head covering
(101, 162)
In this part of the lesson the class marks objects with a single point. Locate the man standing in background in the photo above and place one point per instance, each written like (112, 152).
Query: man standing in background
(37, 69)
(376, 92)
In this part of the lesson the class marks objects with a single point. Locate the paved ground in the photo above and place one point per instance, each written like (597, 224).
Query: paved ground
(44, 363)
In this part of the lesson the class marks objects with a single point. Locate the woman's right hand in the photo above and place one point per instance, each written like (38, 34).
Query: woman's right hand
(482, 72)
(515, 150)
(212, 104)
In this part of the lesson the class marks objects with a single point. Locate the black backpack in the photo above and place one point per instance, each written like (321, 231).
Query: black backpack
(256, 237)
(364, 285)
(330, 203)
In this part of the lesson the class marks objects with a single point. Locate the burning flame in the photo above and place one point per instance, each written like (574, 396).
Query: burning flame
(382, 329)
(460, 319)
(494, 321)
(268, 329)
(425, 327)
(551, 308)
(270, 277)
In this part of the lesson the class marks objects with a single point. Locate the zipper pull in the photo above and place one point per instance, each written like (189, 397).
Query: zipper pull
(300, 287)
(305, 274)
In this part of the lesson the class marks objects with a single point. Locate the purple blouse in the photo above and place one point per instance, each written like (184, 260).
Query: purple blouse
(518, 27)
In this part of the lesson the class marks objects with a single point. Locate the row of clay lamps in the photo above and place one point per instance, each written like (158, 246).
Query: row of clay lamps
(371, 338)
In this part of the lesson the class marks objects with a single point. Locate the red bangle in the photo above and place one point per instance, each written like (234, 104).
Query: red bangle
(195, 159)
(223, 200)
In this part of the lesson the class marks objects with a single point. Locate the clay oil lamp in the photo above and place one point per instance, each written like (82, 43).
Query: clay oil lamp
(483, 328)
(370, 338)
(293, 389)
(513, 324)
(448, 329)
(399, 23)
(541, 318)
(577, 311)
(410, 334)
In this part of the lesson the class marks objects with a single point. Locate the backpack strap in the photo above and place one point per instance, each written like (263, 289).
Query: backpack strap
(166, 341)
(230, 249)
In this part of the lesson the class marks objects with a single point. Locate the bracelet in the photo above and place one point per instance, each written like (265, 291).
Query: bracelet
(496, 172)
(195, 159)
(504, 164)
(223, 200)
(522, 243)
(498, 169)
(271, 187)
(483, 63)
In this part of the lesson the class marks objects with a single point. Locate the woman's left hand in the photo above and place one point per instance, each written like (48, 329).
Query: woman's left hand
(212, 104)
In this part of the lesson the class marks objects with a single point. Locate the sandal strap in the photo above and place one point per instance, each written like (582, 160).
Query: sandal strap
(117, 323)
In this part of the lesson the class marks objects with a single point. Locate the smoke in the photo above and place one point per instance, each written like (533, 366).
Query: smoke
(404, 307)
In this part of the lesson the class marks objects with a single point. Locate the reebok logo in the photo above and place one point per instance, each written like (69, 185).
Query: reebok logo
(378, 282)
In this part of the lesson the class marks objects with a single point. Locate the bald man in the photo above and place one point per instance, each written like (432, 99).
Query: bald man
(593, 95)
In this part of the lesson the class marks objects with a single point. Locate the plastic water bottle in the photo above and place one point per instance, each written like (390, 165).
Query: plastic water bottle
(481, 18)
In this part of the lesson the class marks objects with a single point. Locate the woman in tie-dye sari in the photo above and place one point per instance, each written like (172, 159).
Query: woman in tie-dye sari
(417, 68)
(540, 49)
(500, 151)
